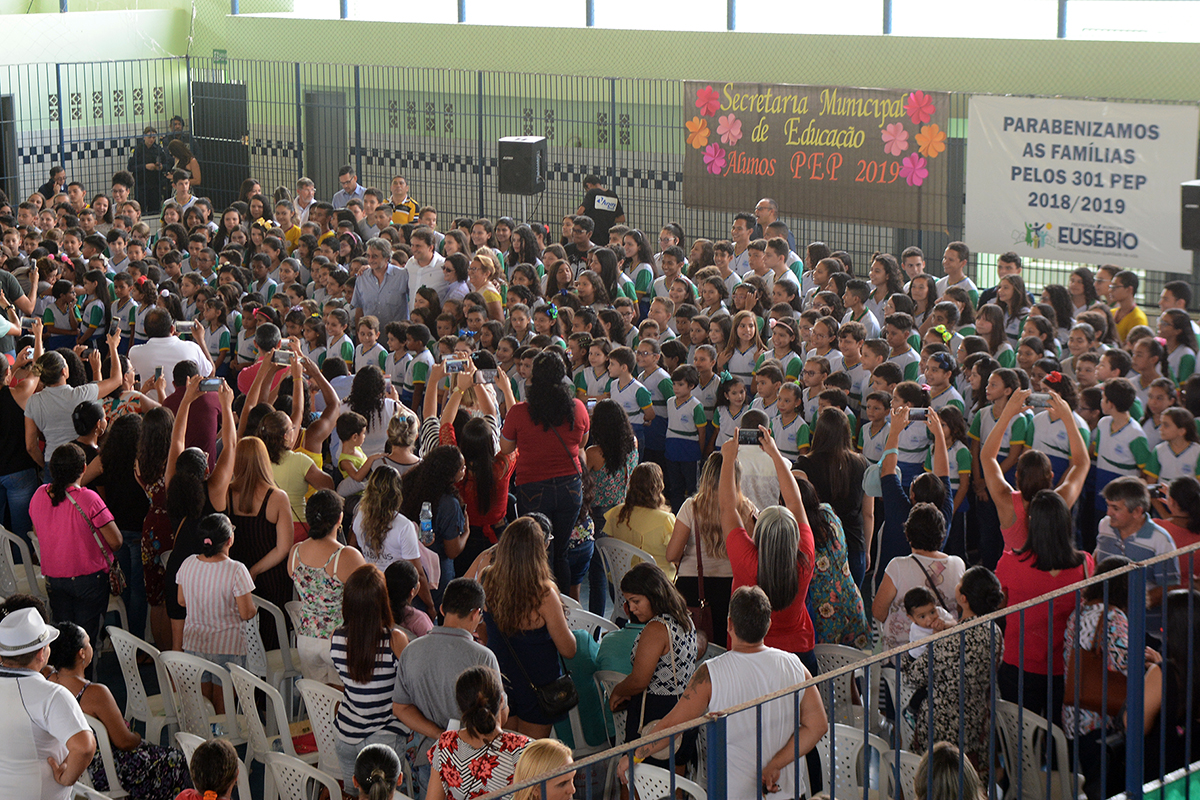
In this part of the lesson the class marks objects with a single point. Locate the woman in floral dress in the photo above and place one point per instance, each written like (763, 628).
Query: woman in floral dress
(478, 758)
(834, 602)
(969, 676)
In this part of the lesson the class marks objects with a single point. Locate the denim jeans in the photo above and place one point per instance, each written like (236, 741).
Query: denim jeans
(560, 500)
(579, 559)
(16, 492)
(130, 559)
(82, 600)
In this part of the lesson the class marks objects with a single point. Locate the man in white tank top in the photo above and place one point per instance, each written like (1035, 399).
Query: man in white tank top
(749, 670)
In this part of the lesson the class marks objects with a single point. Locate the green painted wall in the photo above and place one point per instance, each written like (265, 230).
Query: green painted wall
(1072, 68)
(153, 30)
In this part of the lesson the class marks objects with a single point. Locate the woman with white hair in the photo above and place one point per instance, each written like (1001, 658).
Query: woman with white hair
(779, 557)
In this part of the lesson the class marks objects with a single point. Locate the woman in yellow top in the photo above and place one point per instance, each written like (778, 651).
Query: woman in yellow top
(644, 520)
(481, 275)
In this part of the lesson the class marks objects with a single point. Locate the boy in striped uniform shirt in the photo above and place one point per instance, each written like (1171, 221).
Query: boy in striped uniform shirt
(628, 393)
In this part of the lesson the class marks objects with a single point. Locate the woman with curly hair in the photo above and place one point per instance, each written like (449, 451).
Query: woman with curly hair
(886, 279)
(382, 533)
(644, 520)
(526, 627)
(548, 430)
(434, 481)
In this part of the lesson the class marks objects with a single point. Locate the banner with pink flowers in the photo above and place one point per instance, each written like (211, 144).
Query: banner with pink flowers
(873, 156)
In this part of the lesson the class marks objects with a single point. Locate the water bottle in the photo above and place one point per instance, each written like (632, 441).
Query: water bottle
(426, 524)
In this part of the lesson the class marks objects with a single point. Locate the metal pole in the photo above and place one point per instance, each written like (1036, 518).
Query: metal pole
(731, 15)
(717, 785)
(344, 9)
(887, 17)
(1134, 700)
(299, 125)
(612, 131)
(62, 6)
(589, 11)
(62, 112)
(1062, 18)
(462, 10)
(233, 7)
(358, 148)
(479, 137)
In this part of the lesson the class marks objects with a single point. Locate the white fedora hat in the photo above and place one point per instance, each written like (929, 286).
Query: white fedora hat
(24, 632)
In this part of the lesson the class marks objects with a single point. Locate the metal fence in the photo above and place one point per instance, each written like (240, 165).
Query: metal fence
(864, 754)
(277, 121)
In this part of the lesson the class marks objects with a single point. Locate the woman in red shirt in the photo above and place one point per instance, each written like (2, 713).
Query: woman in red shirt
(1048, 561)
(781, 534)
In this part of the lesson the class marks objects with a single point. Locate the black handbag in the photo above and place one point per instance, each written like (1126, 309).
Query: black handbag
(555, 698)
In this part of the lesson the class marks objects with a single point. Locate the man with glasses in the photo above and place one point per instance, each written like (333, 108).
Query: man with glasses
(381, 290)
(766, 211)
(1123, 292)
(350, 188)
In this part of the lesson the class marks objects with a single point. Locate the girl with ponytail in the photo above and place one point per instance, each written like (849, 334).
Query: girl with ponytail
(483, 710)
(376, 772)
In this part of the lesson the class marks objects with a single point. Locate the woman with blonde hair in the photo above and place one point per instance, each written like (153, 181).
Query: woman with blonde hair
(644, 520)
(938, 775)
(401, 438)
(699, 520)
(526, 627)
(538, 758)
(384, 534)
(481, 275)
(262, 524)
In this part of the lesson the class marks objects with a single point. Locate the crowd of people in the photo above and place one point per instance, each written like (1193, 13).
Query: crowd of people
(422, 433)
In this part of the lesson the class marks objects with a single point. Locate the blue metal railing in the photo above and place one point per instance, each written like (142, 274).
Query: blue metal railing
(1013, 771)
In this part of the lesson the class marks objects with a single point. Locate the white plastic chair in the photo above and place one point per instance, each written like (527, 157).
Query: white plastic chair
(852, 767)
(1015, 725)
(292, 778)
(104, 747)
(195, 713)
(654, 783)
(579, 619)
(835, 656)
(617, 557)
(908, 773)
(282, 664)
(188, 742)
(24, 578)
(155, 711)
(321, 701)
(571, 603)
(262, 740)
(83, 792)
(605, 680)
(292, 609)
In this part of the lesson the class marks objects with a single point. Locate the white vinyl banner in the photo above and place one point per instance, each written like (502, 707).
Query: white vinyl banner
(1078, 180)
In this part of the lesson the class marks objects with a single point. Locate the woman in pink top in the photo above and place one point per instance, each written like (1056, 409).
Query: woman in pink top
(64, 517)
(1034, 642)
(782, 538)
(1034, 471)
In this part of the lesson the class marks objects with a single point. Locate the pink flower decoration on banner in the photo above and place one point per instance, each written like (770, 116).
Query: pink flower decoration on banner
(714, 159)
(919, 107)
(912, 169)
(895, 139)
(708, 101)
(729, 128)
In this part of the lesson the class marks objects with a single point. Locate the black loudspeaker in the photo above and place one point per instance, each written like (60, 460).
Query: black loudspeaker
(522, 165)
(1190, 219)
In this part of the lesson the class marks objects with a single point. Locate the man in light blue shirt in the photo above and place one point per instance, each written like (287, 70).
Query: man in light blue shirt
(382, 290)
(350, 188)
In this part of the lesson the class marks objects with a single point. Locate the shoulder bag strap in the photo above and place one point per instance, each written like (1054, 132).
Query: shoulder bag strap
(574, 459)
(521, 666)
(929, 581)
(699, 558)
(104, 551)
